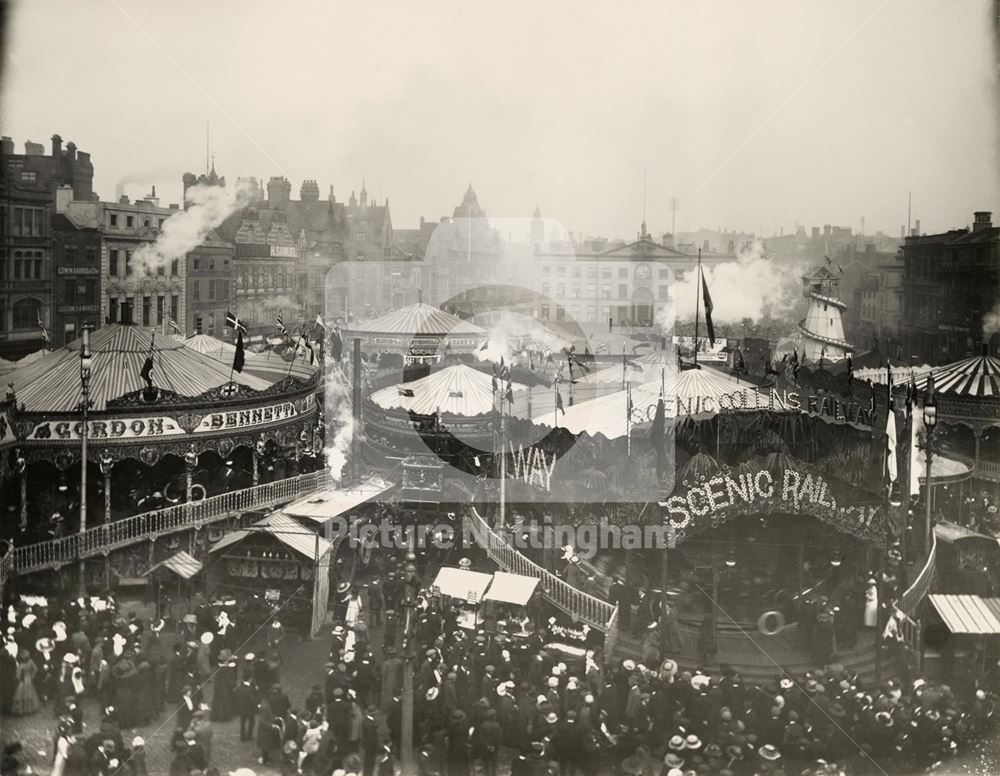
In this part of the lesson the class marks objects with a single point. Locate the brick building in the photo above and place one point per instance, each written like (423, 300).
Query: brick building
(950, 284)
(28, 183)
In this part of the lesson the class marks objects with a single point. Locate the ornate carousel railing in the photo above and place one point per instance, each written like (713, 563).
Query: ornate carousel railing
(988, 470)
(149, 525)
(588, 609)
(921, 585)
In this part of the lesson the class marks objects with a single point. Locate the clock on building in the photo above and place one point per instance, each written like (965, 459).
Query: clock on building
(642, 272)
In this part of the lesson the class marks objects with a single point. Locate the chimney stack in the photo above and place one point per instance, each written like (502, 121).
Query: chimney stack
(983, 220)
(71, 151)
(916, 228)
(56, 146)
(6, 145)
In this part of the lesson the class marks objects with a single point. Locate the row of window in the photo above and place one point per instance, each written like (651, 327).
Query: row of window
(209, 264)
(606, 273)
(114, 219)
(663, 292)
(264, 279)
(150, 313)
(117, 267)
(28, 222)
(23, 265)
(212, 287)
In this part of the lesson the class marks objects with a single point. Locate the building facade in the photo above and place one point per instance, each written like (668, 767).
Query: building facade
(76, 283)
(210, 267)
(28, 183)
(949, 287)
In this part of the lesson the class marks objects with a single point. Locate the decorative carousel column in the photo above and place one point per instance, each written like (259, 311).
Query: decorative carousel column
(190, 464)
(106, 463)
(21, 467)
(258, 456)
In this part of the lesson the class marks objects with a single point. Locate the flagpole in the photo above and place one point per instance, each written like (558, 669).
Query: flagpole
(697, 308)
(503, 462)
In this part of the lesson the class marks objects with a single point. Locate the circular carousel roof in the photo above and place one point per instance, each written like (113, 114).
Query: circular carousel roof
(52, 382)
(418, 319)
(267, 365)
(456, 390)
(971, 378)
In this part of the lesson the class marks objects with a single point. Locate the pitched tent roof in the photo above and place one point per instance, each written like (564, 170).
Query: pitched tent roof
(285, 529)
(977, 377)
(968, 613)
(182, 564)
(419, 318)
(51, 383)
(332, 502)
(607, 414)
(646, 369)
(455, 390)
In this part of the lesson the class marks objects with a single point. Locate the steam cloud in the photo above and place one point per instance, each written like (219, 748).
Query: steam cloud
(991, 322)
(340, 426)
(750, 287)
(187, 229)
(508, 337)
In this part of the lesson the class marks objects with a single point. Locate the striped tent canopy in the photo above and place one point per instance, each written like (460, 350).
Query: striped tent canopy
(455, 390)
(418, 319)
(900, 374)
(684, 392)
(52, 383)
(267, 365)
(973, 378)
(640, 369)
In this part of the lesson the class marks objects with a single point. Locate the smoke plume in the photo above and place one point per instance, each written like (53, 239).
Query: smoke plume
(208, 207)
(991, 322)
(340, 420)
(511, 335)
(148, 177)
(750, 287)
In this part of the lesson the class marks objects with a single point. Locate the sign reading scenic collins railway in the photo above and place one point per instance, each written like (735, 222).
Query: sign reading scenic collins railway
(162, 426)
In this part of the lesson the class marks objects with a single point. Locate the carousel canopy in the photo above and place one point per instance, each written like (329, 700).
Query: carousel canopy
(329, 503)
(182, 564)
(283, 528)
(268, 366)
(968, 613)
(418, 319)
(455, 390)
(973, 378)
(683, 392)
(52, 382)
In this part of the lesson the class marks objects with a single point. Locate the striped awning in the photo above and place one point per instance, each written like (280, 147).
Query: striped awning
(455, 390)
(182, 564)
(977, 377)
(286, 530)
(52, 382)
(416, 319)
(968, 613)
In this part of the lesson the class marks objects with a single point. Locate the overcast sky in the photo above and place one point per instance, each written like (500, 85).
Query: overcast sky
(755, 115)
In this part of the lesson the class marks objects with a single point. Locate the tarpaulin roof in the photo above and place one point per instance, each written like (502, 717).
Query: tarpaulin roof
(455, 390)
(459, 583)
(418, 319)
(181, 563)
(331, 502)
(977, 377)
(285, 529)
(686, 390)
(968, 613)
(511, 588)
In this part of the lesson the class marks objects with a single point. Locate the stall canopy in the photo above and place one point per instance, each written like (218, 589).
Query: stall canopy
(283, 528)
(511, 588)
(455, 390)
(968, 613)
(458, 583)
(182, 564)
(332, 502)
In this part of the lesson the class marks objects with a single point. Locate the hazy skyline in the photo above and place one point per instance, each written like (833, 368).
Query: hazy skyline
(756, 116)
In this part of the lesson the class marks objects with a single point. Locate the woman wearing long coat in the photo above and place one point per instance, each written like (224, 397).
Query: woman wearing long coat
(25, 697)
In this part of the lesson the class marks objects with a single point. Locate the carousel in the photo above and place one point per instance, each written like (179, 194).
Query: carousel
(268, 364)
(164, 424)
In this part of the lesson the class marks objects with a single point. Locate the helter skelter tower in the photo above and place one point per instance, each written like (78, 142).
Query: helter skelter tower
(822, 331)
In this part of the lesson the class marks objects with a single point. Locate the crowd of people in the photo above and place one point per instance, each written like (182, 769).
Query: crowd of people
(527, 690)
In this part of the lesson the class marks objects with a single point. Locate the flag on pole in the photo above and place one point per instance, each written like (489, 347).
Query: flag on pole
(319, 322)
(45, 332)
(147, 371)
(239, 357)
(890, 436)
(559, 401)
(173, 325)
(336, 345)
(709, 307)
(235, 323)
(494, 380)
(305, 348)
(279, 323)
(657, 435)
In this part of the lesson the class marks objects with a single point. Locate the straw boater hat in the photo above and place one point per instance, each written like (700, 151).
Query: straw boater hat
(673, 760)
(769, 752)
(432, 693)
(207, 638)
(45, 645)
(465, 563)
(574, 559)
(676, 743)
(157, 625)
(552, 718)
(343, 587)
(692, 742)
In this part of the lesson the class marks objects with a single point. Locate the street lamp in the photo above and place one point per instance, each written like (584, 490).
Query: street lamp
(930, 421)
(86, 364)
